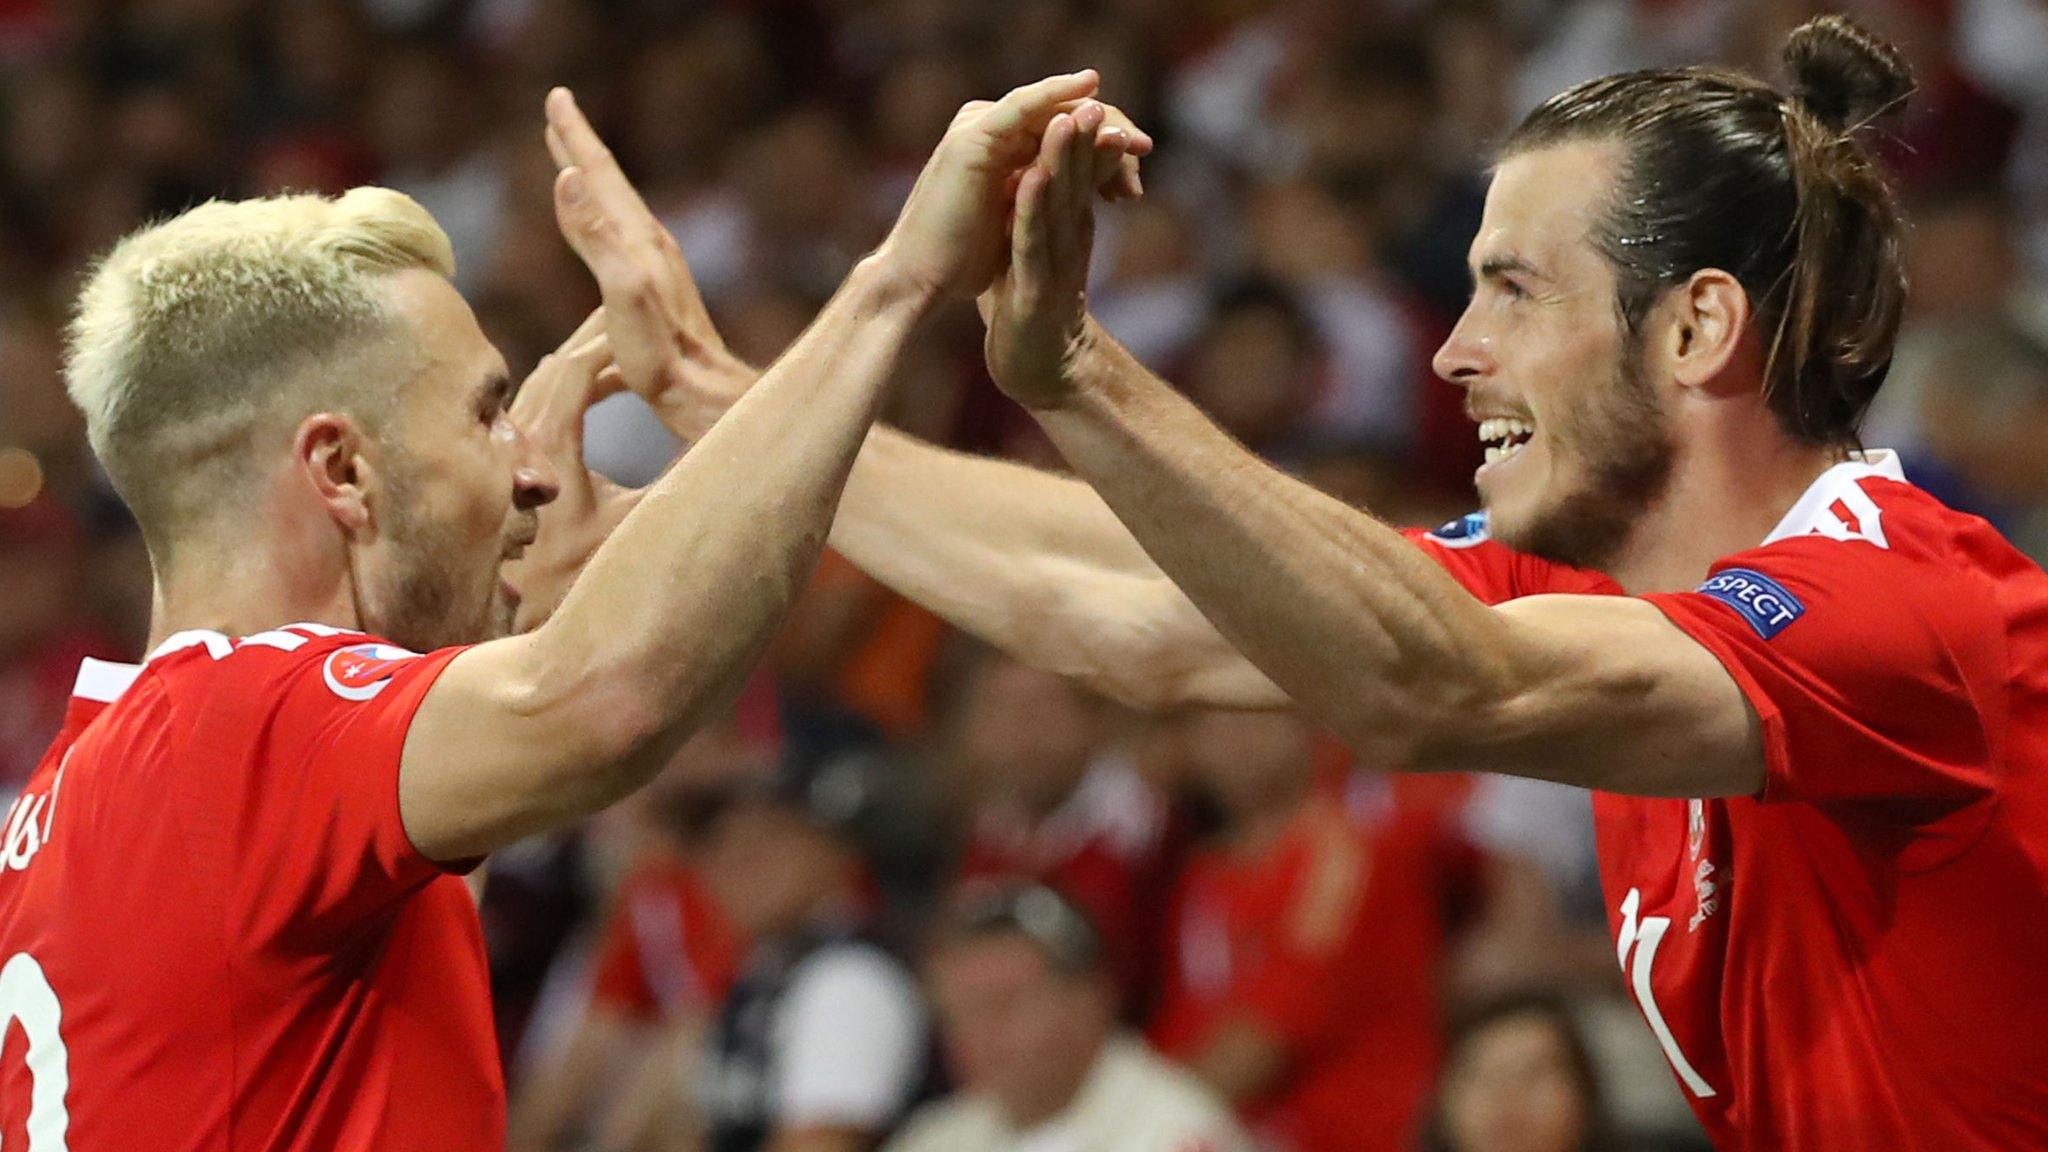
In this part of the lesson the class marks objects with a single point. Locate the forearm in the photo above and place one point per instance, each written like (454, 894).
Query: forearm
(682, 597)
(1029, 561)
(1341, 611)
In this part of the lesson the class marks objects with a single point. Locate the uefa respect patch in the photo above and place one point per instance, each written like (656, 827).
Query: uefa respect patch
(1762, 601)
(1464, 532)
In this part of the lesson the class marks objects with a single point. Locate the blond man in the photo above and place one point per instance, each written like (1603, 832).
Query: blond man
(229, 911)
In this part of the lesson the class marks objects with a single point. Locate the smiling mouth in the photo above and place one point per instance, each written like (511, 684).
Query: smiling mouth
(1504, 436)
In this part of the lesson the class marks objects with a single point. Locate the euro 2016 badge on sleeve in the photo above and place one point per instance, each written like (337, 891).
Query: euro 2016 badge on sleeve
(360, 671)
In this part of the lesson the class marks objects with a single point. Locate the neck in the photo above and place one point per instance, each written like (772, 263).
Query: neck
(1728, 489)
(1025, 1115)
(263, 581)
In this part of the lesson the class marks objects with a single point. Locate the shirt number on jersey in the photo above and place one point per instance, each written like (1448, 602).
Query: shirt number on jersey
(26, 996)
(1642, 938)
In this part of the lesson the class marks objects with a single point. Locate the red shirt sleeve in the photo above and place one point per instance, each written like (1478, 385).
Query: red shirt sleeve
(1495, 573)
(1878, 674)
(320, 824)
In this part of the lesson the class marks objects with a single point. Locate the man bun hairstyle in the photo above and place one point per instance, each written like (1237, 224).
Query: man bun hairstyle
(1842, 75)
(1781, 190)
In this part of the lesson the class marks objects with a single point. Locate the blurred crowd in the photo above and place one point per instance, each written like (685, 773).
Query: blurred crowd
(911, 893)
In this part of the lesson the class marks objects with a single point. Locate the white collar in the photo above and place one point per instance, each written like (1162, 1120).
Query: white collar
(103, 681)
(1830, 486)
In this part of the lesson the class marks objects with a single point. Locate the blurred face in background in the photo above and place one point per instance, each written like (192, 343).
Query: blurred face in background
(1511, 1086)
(1027, 736)
(1579, 443)
(769, 868)
(1253, 371)
(1249, 762)
(1017, 1031)
(40, 575)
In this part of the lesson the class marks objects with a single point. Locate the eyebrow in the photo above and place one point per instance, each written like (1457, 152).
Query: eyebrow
(1495, 267)
(497, 387)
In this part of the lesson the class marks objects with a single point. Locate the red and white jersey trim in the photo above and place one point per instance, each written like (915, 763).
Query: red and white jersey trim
(1836, 506)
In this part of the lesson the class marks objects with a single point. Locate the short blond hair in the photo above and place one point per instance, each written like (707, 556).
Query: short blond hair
(194, 332)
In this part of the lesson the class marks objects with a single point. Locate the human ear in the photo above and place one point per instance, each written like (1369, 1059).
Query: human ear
(327, 452)
(1707, 318)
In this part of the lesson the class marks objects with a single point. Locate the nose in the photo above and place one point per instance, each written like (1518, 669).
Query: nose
(534, 479)
(1466, 356)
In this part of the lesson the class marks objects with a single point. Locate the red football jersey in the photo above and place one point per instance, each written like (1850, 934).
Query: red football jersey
(1111, 849)
(1853, 958)
(1333, 942)
(214, 932)
(667, 951)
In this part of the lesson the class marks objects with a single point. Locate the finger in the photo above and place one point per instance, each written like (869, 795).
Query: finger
(565, 385)
(1076, 183)
(1029, 257)
(1112, 165)
(631, 275)
(579, 140)
(970, 110)
(540, 386)
(1052, 146)
(556, 149)
(1113, 116)
(582, 147)
(1032, 105)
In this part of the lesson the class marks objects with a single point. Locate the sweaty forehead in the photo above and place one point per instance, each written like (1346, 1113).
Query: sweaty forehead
(1543, 205)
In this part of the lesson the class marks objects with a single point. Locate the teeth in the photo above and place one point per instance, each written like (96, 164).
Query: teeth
(1500, 429)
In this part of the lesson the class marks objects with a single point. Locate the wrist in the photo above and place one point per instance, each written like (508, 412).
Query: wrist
(1083, 365)
(886, 281)
(717, 381)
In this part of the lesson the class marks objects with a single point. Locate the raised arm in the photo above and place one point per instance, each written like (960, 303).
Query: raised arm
(1032, 562)
(525, 733)
(1037, 565)
(1364, 631)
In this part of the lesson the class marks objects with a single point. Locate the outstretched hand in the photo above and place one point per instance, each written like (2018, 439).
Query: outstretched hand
(549, 410)
(950, 237)
(667, 349)
(1037, 314)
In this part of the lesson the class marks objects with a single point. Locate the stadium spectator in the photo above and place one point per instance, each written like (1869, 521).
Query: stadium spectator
(821, 1043)
(1307, 943)
(665, 956)
(1028, 1013)
(1057, 804)
(42, 556)
(1519, 1078)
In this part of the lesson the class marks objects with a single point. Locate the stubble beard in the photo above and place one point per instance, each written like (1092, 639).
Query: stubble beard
(428, 602)
(1625, 452)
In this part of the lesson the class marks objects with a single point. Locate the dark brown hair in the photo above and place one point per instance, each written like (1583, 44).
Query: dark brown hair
(1475, 1020)
(1779, 190)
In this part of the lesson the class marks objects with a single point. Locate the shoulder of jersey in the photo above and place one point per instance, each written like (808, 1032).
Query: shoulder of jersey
(1467, 531)
(354, 665)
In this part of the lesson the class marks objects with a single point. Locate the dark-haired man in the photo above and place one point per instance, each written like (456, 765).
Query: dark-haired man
(1814, 699)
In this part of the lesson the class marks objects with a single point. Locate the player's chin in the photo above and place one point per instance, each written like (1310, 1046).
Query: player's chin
(1513, 512)
(504, 610)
